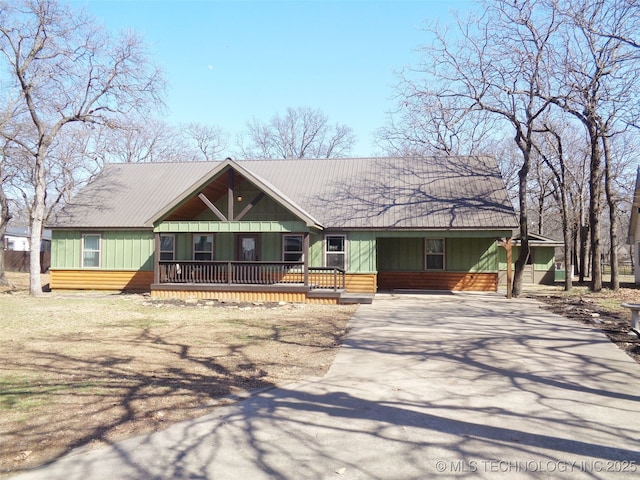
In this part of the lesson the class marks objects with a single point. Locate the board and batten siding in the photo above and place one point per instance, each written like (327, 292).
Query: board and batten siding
(362, 252)
(461, 254)
(119, 250)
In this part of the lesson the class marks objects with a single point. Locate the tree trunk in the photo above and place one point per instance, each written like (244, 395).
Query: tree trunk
(37, 220)
(5, 216)
(584, 248)
(613, 217)
(521, 262)
(595, 210)
(567, 240)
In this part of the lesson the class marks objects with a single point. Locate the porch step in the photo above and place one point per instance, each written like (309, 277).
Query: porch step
(352, 298)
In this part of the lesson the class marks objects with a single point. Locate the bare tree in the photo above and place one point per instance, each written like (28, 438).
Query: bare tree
(554, 156)
(300, 133)
(597, 73)
(65, 70)
(141, 140)
(427, 123)
(497, 64)
(209, 140)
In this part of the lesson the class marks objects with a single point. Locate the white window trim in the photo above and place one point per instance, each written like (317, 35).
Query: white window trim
(345, 252)
(173, 252)
(443, 254)
(301, 235)
(193, 246)
(84, 235)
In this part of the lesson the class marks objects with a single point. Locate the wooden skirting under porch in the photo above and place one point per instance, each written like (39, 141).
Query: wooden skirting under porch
(246, 294)
(124, 280)
(457, 281)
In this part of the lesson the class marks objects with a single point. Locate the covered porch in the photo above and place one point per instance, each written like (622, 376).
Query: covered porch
(250, 281)
(240, 274)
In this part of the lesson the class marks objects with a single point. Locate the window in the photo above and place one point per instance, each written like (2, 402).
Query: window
(167, 247)
(91, 250)
(434, 253)
(292, 250)
(203, 247)
(335, 251)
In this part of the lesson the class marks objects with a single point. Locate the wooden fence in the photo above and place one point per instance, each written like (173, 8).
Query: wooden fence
(19, 261)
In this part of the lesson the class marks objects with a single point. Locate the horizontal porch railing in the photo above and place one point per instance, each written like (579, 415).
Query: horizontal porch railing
(249, 273)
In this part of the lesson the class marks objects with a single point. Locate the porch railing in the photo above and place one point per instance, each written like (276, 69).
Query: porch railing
(250, 273)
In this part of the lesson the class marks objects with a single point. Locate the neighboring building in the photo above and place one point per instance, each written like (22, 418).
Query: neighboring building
(293, 230)
(541, 265)
(634, 229)
(18, 239)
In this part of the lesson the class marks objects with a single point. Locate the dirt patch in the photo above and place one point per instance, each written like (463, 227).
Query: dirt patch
(90, 369)
(601, 310)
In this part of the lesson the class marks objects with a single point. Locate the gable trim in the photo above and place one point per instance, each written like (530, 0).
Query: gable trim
(260, 183)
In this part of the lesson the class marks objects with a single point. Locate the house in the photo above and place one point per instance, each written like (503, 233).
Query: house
(634, 229)
(18, 239)
(285, 230)
(540, 268)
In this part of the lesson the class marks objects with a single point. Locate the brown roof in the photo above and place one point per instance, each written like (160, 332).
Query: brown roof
(378, 193)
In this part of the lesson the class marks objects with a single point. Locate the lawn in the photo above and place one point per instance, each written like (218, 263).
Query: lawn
(91, 368)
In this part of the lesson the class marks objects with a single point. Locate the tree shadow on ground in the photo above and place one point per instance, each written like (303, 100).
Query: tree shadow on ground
(470, 378)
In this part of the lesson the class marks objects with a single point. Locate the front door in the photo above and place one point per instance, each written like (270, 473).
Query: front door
(247, 248)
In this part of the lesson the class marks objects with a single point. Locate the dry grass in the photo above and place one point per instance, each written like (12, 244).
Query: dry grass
(602, 310)
(92, 368)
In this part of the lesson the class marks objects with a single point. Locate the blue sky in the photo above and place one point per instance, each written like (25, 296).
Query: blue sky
(228, 62)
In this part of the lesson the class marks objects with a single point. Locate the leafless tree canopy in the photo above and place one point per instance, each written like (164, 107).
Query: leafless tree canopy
(560, 78)
(64, 71)
(299, 133)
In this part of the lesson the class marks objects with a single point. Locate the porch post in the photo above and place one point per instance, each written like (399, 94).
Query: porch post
(156, 258)
(509, 267)
(305, 251)
(507, 243)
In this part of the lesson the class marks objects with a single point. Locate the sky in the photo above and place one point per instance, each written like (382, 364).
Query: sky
(227, 62)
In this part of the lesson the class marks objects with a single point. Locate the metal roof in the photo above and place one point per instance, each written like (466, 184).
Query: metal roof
(378, 193)
(125, 195)
(413, 193)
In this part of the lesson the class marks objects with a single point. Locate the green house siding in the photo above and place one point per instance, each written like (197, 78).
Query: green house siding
(361, 249)
(316, 250)
(543, 258)
(466, 255)
(119, 250)
(368, 252)
(66, 249)
(214, 226)
(400, 254)
(461, 254)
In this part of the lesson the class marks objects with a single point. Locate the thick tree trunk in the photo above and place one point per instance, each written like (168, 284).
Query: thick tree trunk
(595, 210)
(37, 221)
(613, 218)
(584, 249)
(521, 262)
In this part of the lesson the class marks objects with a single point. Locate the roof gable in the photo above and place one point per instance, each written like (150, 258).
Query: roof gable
(215, 180)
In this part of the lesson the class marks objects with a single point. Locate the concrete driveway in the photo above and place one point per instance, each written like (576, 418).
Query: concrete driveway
(453, 386)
